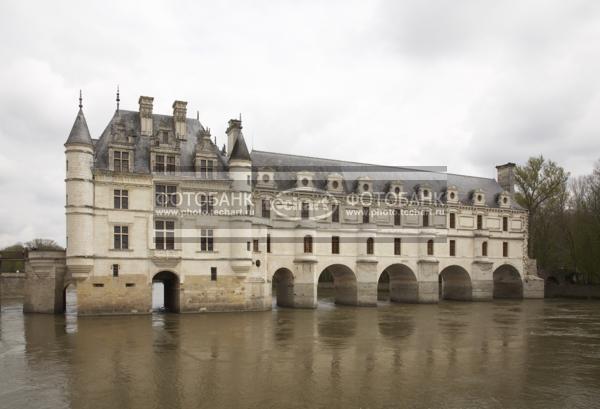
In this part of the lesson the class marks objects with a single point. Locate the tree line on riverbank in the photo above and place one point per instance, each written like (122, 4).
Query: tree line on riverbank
(564, 218)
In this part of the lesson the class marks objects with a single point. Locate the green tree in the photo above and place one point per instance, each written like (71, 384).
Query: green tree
(42, 244)
(541, 186)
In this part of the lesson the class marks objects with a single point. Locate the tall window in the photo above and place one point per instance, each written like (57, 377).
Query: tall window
(165, 164)
(505, 223)
(268, 243)
(308, 244)
(479, 222)
(121, 161)
(430, 247)
(164, 234)
(397, 246)
(166, 195)
(115, 270)
(121, 237)
(206, 204)
(335, 244)
(484, 249)
(504, 249)
(207, 169)
(207, 241)
(397, 217)
(335, 213)
(266, 208)
(305, 211)
(213, 274)
(170, 164)
(370, 245)
(425, 219)
(121, 199)
(453, 220)
(453, 247)
(255, 246)
(365, 215)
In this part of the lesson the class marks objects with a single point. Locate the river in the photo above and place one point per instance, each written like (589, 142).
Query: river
(517, 354)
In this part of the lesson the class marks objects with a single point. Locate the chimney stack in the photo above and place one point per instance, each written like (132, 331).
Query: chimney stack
(146, 115)
(506, 176)
(179, 117)
(233, 132)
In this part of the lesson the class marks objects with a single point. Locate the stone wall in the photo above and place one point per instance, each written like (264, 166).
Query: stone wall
(12, 285)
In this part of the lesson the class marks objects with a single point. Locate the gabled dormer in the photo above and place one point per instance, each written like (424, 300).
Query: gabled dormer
(335, 183)
(452, 194)
(364, 185)
(504, 199)
(478, 197)
(424, 192)
(265, 178)
(305, 180)
(165, 148)
(206, 159)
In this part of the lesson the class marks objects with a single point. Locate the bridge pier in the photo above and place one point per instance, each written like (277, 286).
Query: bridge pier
(45, 282)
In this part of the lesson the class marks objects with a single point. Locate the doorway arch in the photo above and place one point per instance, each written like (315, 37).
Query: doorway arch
(345, 288)
(283, 287)
(165, 292)
(69, 299)
(455, 284)
(507, 282)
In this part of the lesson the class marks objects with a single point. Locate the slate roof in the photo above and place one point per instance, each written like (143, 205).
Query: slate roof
(240, 150)
(286, 166)
(129, 121)
(80, 132)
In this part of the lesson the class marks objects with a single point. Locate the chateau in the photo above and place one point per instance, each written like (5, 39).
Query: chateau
(154, 199)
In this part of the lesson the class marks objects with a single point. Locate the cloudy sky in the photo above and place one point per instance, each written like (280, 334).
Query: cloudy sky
(464, 84)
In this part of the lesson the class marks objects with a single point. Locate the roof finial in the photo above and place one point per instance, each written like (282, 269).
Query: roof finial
(240, 117)
(80, 100)
(118, 98)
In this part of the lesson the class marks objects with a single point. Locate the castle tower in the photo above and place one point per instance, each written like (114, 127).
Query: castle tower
(79, 152)
(240, 171)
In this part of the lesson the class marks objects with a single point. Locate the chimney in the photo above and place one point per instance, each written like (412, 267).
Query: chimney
(179, 116)
(233, 132)
(146, 115)
(506, 176)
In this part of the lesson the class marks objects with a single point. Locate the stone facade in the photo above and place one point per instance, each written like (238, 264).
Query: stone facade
(137, 214)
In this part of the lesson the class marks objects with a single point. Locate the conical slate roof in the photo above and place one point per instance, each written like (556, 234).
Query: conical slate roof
(240, 150)
(80, 132)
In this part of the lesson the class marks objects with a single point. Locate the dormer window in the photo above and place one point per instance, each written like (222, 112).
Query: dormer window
(305, 182)
(165, 137)
(425, 193)
(121, 161)
(165, 163)
(266, 178)
(365, 187)
(335, 184)
(478, 197)
(207, 169)
(452, 195)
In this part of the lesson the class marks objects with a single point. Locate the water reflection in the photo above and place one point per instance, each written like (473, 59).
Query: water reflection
(497, 354)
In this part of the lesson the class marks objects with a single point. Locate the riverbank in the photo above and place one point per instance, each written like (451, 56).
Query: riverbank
(574, 291)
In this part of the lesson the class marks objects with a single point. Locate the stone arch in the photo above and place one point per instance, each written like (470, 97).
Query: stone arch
(283, 287)
(170, 290)
(345, 287)
(69, 298)
(507, 282)
(455, 284)
(403, 285)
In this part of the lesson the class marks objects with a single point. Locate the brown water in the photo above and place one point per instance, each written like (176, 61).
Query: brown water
(527, 354)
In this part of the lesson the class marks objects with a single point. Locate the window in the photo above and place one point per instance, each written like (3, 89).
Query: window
(121, 161)
(166, 195)
(305, 212)
(247, 246)
(370, 245)
(268, 243)
(207, 240)
(430, 247)
(335, 244)
(397, 217)
(248, 180)
(308, 244)
(453, 247)
(425, 219)
(121, 199)
(479, 222)
(484, 249)
(255, 247)
(207, 169)
(121, 237)
(397, 246)
(115, 270)
(206, 204)
(453, 220)
(266, 208)
(504, 249)
(505, 223)
(165, 164)
(425, 193)
(365, 215)
(213, 274)
(335, 213)
(164, 234)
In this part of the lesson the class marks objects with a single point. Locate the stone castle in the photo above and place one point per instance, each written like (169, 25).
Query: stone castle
(154, 199)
